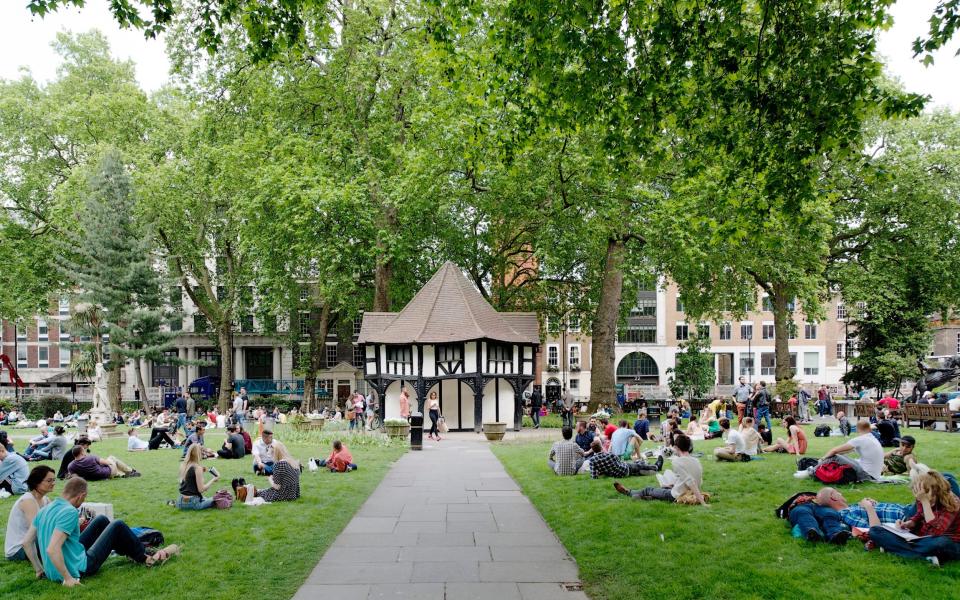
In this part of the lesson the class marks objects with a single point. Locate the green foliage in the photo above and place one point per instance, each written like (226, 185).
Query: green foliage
(693, 375)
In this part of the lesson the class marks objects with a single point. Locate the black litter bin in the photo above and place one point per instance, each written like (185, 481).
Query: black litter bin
(416, 431)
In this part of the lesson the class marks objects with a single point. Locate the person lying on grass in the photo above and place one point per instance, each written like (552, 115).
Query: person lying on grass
(937, 522)
(607, 464)
(796, 442)
(686, 471)
(66, 555)
(566, 457)
(340, 460)
(93, 468)
(819, 519)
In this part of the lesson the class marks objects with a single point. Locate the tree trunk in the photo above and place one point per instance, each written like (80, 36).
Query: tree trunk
(225, 342)
(318, 328)
(383, 272)
(784, 373)
(113, 388)
(145, 405)
(602, 357)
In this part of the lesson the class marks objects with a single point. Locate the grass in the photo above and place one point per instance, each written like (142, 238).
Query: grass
(224, 552)
(734, 548)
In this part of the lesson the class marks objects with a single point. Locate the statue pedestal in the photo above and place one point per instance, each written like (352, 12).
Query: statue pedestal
(101, 416)
(109, 430)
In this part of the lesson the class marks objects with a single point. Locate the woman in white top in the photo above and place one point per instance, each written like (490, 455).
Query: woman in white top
(434, 407)
(40, 482)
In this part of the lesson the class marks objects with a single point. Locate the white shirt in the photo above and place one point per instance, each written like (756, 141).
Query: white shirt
(135, 443)
(689, 474)
(17, 524)
(262, 452)
(734, 437)
(871, 453)
(238, 405)
(954, 405)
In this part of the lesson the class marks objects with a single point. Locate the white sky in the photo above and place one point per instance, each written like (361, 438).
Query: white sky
(25, 41)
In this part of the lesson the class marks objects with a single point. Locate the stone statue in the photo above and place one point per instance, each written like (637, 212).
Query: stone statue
(101, 401)
(932, 378)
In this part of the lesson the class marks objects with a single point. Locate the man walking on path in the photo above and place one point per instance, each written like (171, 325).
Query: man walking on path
(536, 401)
(567, 411)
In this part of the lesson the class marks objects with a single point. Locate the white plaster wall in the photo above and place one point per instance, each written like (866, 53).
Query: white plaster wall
(490, 402)
(470, 357)
(392, 400)
(458, 413)
(528, 367)
(429, 361)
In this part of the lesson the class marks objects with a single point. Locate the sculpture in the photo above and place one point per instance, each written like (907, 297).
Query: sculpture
(101, 401)
(932, 378)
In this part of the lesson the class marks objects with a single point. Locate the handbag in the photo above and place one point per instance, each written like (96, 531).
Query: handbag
(442, 425)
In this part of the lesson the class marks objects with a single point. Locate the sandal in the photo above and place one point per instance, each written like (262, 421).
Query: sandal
(161, 556)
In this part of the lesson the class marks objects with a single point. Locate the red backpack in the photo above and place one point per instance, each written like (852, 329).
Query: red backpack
(833, 472)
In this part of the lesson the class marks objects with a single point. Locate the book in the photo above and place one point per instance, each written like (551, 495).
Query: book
(903, 533)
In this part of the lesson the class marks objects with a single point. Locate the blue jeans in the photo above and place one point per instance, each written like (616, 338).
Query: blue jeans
(267, 469)
(181, 422)
(825, 407)
(194, 503)
(101, 537)
(813, 517)
(763, 412)
(940, 546)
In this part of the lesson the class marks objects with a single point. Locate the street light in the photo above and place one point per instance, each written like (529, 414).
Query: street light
(750, 355)
(846, 358)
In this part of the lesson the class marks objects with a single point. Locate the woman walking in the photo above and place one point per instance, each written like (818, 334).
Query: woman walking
(434, 405)
(191, 481)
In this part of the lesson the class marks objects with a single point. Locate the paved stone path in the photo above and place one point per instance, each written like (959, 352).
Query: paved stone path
(445, 523)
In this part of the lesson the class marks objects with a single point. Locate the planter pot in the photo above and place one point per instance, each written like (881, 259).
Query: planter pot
(302, 426)
(494, 431)
(398, 431)
(317, 424)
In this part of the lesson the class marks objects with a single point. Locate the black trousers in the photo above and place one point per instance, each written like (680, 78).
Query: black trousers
(157, 436)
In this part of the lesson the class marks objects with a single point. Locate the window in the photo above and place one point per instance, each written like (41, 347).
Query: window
(221, 293)
(768, 363)
(958, 343)
(176, 324)
(792, 305)
(683, 332)
(105, 344)
(43, 332)
(811, 363)
(767, 331)
(746, 363)
(304, 324)
(176, 297)
(749, 306)
(64, 308)
(200, 323)
(573, 324)
(499, 358)
(638, 334)
(43, 357)
(64, 357)
(357, 324)
(680, 304)
(861, 309)
(358, 356)
(746, 331)
(449, 358)
(841, 312)
(304, 294)
(64, 331)
(573, 355)
(646, 307)
(810, 331)
(791, 330)
(840, 349)
(21, 333)
(246, 324)
(399, 360)
(21, 357)
(332, 355)
(574, 384)
(703, 331)
(726, 330)
(553, 356)
(636, 366)
(767, 304)
(546, 323)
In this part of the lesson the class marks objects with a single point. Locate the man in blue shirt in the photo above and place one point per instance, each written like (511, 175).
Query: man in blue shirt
(584, 437)
(13, 472)
(181, 406)
(642, 426)
(65, 553)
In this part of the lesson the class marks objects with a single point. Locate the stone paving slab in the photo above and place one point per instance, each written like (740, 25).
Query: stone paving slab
(445, 523)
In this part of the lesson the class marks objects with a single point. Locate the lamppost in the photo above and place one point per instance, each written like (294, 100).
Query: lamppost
(846, 358)
(750, 355)
(16, 361)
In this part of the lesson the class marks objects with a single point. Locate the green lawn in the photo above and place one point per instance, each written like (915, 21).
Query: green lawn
(256, 549)
(734, 548)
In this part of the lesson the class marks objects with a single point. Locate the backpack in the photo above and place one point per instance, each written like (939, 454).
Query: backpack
(805, 463)
(833, 472)
(822, 431)
(783, 511)
(222, 499)
(151, 538)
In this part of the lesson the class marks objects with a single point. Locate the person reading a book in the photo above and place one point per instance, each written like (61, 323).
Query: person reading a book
(933, 532)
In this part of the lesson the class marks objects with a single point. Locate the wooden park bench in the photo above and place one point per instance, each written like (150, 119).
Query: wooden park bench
(864, 410)
(781, 409)
(922, 413)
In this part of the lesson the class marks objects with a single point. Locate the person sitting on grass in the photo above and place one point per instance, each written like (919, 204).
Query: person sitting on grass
(607, 464)
(13, 472)
(247, 441)
(888, 430)
(192, 485)
(901, 460)
(844, 424)
(766, 436)
(937, 522)
(340, 460)
(566, 457)
(38, 442)
(584, 436)
(63, 471)
(641, 426)
(232, 444)
(820, 520)
(751, 437)
(197, 438)
(796, 442)
(5, 441)
(695, 430)
(687, 473)
(40, 482)
(93, 468)
(625, 442)
(263, 454)
(870, 464)
(284, 482)
(735, 448)
(66, 555)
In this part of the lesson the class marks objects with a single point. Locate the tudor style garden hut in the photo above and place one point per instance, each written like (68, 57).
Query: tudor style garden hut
(449, 340)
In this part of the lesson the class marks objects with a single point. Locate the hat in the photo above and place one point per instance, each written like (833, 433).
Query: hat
(267, 432)
(907, 439)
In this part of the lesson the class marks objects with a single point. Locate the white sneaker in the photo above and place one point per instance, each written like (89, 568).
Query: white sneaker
(804, 474)
(933, 560)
